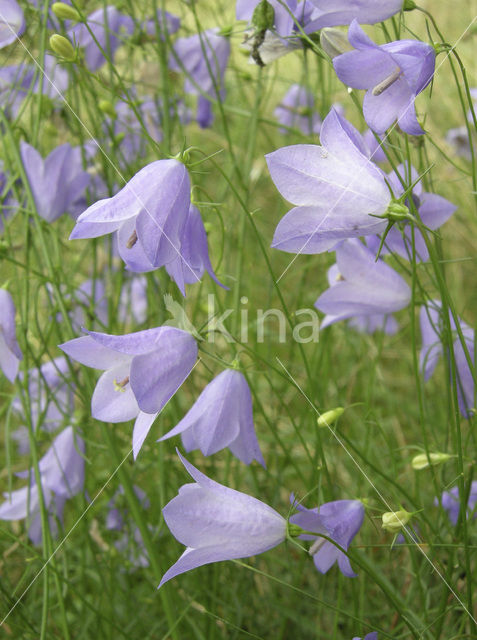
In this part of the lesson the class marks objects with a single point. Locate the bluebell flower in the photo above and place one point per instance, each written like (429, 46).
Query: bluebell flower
(10, 354)
(221, 417)
(393, 75)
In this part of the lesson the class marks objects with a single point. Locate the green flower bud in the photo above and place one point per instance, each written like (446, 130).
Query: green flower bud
(334, 41)
(263, 17)
(409, 5)
(62, 47)
(329, 417)
(294, 530)
(65, 12)
(107, 107)
(422, 460)
(227, 31)
(397, 211)
(393, 521)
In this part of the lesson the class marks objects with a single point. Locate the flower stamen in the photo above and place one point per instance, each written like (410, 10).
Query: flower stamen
(387, 82)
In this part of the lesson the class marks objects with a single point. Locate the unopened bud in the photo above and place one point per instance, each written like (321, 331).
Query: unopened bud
(62, 47)
(393, 521)
(329, 417)
(424, 460)
(107, 107)
(65, 12)
(334, 42)
(409, 5)
(263, 17)
(397, 211)
(226, 32)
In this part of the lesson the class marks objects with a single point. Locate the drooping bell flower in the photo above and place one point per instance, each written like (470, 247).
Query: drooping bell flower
(118, 519)
(221, 417)
(369, 636)
(203, 57)
(362, 287)
(340, 12)
(297, 111)
(110, 29)
(12, 22)
(142, 371)
(57, 182)
(216, 523)
(62, 477)
(134, 143)
(431, 322)
(10, 354)
(393, 74)
(450, 502)
(149, 214)
(188, 267)
(336, 189)
(458, 139)
(50, 396)
(164, 22)
(340, 520)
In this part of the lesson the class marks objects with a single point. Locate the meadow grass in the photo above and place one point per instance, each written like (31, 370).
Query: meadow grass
(79, 584)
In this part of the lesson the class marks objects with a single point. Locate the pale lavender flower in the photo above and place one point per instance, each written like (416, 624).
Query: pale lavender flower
(149, 214)
(188, 267)
(221, 417)
(340, 520)
(118, 519)
(133, 300)
(360, 286)
(203, 57)
(433, 210)
(10, 354)
(217, 523)
(450, 502)
(431, 322)
(373, 147)
(57, 182)
(50, 397)
(12, 22)
(369, 636)
(62, 477)
(458, 139)
(110, 28)
(335, 12)
(15, 83)
(393, 75)
(336, 188)
(297, 111)
(165, 22)
(143, 370)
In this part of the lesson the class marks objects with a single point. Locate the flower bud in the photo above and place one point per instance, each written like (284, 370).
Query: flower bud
(397, 211)
(409, 5)
(334, 42)
(424, 460)
(107, 107)
(65, 12)
(263, 17)
(393, 521)
(326, 419)
(62, 47)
